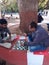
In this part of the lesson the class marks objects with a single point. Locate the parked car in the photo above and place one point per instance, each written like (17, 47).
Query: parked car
(45, 14)
(45, 21)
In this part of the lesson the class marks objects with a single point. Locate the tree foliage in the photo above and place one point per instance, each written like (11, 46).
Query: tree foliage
(12, 7)
(9, 6)
(42, 4)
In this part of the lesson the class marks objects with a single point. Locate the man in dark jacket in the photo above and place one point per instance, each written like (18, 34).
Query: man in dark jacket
(40, 18)
(4, 31)
(39, 39)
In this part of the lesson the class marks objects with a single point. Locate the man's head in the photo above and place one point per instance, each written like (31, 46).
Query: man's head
(32, 26)
(3, 23)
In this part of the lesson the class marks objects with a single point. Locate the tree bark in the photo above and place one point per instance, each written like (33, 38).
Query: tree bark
(28, 13)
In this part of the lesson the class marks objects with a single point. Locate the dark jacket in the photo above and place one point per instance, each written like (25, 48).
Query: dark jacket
(3, 33)
(40, 18)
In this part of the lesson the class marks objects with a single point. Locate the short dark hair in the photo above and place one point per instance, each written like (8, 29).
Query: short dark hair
(33, 24)
(3, 21)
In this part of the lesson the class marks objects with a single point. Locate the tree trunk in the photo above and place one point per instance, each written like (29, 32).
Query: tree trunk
(28, 13)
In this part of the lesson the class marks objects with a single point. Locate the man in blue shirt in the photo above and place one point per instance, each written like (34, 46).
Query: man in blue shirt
(38, 36)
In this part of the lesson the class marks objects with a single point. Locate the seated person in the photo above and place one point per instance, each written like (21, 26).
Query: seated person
(4, 31)
(38, 38)
(40, 18)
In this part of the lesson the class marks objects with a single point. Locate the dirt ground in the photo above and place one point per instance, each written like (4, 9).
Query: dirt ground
(13, 25)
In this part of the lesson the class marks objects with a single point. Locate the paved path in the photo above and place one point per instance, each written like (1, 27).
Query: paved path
(13, 24)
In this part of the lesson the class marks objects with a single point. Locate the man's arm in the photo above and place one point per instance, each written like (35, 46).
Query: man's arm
(38, 38)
